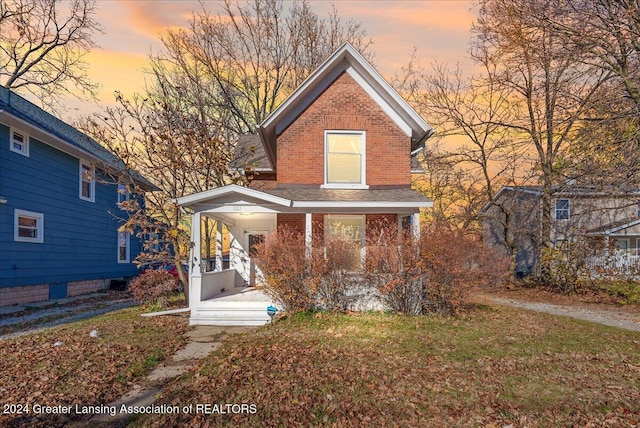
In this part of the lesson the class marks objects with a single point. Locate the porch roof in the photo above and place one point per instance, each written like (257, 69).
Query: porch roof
(617, 227)
(306, 199)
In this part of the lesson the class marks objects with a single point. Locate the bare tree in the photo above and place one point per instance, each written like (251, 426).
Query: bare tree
(254, 54)
(214, 81)
(551, 88)
(43, 44)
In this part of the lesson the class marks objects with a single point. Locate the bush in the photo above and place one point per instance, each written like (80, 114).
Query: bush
(153, 287)
(288, 277)
(433, 274)
(429, 275)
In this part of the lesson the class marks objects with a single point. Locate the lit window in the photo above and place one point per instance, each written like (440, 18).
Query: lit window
(29, 226)
(123, 247)
(344, 159)
(562, 209)
(87, 182)
(19, 143)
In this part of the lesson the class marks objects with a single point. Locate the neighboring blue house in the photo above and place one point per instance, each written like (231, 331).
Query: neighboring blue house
(59, 196)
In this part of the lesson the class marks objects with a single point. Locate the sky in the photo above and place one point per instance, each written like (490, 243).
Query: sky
(439, 29)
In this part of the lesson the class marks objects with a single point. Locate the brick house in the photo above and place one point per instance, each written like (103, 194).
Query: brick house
(335, 157)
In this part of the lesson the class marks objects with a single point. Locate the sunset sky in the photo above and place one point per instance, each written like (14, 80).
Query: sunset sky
(438, 29)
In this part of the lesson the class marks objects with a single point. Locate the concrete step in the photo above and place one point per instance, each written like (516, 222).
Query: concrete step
(230, 316)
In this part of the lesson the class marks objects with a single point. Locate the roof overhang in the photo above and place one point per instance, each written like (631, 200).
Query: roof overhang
(233, 198)
(613, 230)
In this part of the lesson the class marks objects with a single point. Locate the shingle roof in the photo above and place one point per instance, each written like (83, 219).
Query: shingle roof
(347, 195)
(250, 154)
(25, 110)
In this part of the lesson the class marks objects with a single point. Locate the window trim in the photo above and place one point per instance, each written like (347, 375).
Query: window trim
(127, 246)
(122, 196)
(363, 161)
(92, 181)
(25, 142)
(568, 209)
(38, 217)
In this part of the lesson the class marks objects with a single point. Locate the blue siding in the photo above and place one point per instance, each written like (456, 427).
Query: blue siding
(80, 237)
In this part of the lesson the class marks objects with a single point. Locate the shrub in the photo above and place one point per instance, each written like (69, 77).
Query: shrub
(153, 287)
(433, 274)
(281, 258)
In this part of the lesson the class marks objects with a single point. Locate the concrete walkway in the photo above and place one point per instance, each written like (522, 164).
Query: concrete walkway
(611, 318)
(202, 341)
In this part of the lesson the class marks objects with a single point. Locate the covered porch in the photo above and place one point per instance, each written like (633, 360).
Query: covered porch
(615, 249)
(229, 221)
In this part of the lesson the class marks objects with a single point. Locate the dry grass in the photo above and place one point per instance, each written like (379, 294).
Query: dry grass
(488, 367)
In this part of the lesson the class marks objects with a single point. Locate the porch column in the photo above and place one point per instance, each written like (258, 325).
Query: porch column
(218, 245)
(195, 272)
(308, 233)
(415, 225)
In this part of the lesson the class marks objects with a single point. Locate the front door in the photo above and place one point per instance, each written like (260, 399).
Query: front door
(255, 238)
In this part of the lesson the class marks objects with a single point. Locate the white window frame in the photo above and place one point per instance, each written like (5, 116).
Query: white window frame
(25, 142)
(127, 241)
(123, 193)
(568, 209)
(38, 217)
(92, 181)
(363, 160)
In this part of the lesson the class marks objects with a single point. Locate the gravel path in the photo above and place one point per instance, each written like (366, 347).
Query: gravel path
(601, 316)
(65, 314)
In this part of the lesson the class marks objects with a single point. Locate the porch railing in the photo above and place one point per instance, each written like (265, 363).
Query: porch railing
(619, 264)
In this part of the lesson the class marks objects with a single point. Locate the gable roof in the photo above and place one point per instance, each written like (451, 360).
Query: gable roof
(345, 59)
(18, 112)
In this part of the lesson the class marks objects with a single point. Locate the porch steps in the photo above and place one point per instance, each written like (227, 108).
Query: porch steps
(230, 313)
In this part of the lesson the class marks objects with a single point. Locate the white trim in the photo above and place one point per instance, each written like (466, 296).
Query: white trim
(39, 229)
(225, 190)
(308, 234)
(92, 181)
(26, 140)
(360, 204)
(127, 242)
(363, 160)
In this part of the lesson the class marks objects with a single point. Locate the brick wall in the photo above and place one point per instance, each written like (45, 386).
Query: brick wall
(344, 106)
(85, 287)
(24, 294)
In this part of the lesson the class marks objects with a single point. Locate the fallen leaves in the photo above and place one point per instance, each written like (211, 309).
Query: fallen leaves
(67, 366)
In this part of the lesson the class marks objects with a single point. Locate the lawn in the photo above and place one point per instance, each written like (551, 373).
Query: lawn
(491, 366)
(81, 369)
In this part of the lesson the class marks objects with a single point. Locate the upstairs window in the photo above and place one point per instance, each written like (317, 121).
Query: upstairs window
(87, 182)
(123, 247)
(19, 143)
(29, 226)
(345, 159)
(562, 209)
(123, 193)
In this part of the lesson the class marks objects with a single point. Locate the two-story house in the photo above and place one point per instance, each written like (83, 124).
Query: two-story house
(604, 220)
(59, 208)
(334, 157)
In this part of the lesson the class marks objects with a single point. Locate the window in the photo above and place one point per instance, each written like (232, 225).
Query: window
(345, 159)
(29, 226)
(562, 209)
(19, 143)
(638, 208)
(123, 193)
(87, 182)
(350, 228)
(123, 247)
